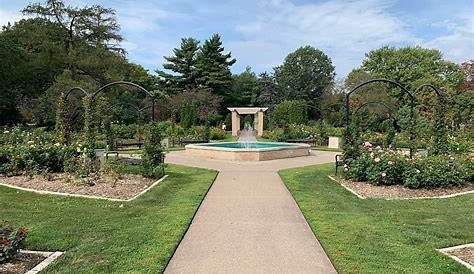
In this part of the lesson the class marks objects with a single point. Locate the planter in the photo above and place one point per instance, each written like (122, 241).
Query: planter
(334, 142)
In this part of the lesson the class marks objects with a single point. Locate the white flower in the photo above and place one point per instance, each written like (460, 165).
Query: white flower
(57, 144)
(377, 159)
(30, 142)
(451, 158)
(346, 169)
(6, 132)
(384, 174)
(390, 162)
(378, 147)
(345, 165)
(417, 171)
(372, 155)
(78, 149)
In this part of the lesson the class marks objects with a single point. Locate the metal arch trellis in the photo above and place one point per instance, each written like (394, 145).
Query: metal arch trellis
(138, 110)
(101, 89)
(412, 105)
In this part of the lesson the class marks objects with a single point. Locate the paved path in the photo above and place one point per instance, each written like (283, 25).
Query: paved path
(249, 222)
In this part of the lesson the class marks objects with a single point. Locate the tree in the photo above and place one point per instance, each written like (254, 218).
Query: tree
(213, 66)
(96, 25)
(204, 103)
(244, 89)
(290, 112)
(305, 74)
(183, 67)
(269, 92)
(411, 67)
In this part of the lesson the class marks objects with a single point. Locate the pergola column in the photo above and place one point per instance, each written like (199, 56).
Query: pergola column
(235, 123)
(259, 122)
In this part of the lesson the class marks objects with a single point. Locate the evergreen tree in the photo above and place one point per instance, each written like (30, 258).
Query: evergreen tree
(244, 90)
(183, 67)
(213, 66)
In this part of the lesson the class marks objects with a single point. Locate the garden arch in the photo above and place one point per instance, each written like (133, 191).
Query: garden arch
(382, 80)
(101, 89)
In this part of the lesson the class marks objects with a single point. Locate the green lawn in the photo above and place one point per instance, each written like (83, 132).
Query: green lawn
(103, 237)
(378, 236)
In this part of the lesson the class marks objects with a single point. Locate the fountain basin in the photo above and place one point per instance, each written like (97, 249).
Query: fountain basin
(248, 151)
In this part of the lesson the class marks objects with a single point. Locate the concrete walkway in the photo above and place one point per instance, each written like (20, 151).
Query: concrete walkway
(249, 222)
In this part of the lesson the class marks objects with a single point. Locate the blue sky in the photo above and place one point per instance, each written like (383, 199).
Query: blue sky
(261, 33)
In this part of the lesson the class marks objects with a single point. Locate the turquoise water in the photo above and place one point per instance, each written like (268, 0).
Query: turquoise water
(248, 145)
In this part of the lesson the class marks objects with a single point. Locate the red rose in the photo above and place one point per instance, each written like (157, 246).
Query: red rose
(23, 229)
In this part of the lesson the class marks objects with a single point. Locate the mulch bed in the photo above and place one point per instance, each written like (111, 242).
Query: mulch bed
(125, 186)
(399, 192)
(23, 263)
(466, 254)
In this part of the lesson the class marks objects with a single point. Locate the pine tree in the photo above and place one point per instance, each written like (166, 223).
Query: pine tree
(182, 65)
(213, 66)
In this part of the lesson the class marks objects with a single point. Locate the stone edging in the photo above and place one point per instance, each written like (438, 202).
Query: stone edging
(50, 257)
(83, 195)
(447, 249)
(402, 198)
(349, 189)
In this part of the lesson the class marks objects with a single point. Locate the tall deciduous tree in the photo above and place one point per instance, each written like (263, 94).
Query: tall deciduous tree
(305, 74)
(182, 66)
(412, 66)
(213, 66)
(93, 25)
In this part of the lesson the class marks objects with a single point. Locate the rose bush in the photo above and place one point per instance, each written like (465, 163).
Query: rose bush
(381, 166)
(10, 242)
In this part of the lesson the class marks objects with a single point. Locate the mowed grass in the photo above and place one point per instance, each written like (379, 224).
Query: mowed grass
(379, 236)
(110, 237)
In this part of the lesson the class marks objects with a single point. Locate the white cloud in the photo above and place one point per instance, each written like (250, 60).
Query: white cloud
(343, 29)
(458, 45)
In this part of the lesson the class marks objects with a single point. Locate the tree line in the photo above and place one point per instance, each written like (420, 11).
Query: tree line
(61, 46)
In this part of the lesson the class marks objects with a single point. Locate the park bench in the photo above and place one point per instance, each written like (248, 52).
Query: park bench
(124, 143)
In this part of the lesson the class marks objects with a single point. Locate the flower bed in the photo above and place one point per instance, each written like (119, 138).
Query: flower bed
(368, 190)
(125, 186)
(390, 167)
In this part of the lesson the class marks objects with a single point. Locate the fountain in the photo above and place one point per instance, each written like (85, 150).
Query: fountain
(248, 149)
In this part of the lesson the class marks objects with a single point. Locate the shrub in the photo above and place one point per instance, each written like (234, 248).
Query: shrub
(434, 171)
(275, 134)
(386, 168)
(357, 168)
(153, 156)
(10, 242)
(389, 167)
(218, 134)
(32, 152)
(290, 112)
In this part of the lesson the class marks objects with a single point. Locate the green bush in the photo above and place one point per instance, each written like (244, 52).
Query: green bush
(435, 171)
(153, 155)
(218, 134)
(275, 134)
(290, 112)
(32, 152)
(188, 115)
(125, 131)
(389, 167)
